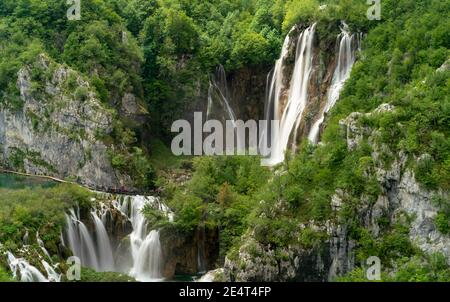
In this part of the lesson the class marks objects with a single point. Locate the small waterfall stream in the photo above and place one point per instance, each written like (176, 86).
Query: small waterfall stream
(347, 45)
(219, 98)
(201, 265)
(41, 245)
(147, 258)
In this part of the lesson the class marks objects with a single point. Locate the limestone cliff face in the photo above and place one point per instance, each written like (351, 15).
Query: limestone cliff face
(401, 193)
(58, 129)
(401, 198)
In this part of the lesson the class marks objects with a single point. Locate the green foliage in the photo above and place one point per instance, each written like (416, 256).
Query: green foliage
(162, 157)
(433, 268)
(312, 239)
(250, 49)
(5, 276)
(300, 11)
(393, 244)
(189, 212)
(442, 220)
(155, 218)
(81, 93)
(130, 159)
(89, 275)
(219, 195)
(37, 209)
(357, 275)
(108, 51)
(136, 164)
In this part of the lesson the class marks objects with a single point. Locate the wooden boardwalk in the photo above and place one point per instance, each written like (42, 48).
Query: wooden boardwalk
(58, 180)
(38, 176)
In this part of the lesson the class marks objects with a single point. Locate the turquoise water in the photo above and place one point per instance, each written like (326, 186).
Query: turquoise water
(11, 181)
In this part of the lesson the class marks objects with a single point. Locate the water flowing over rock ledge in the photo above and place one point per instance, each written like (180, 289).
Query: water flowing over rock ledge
(114, 236)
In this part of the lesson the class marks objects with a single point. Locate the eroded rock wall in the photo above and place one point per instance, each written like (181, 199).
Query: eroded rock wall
(58, 129)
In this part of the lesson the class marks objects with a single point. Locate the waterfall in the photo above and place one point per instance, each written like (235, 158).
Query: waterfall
(53, 276)
(219, 98)
(26, 238)
(289, 112)
(104, 250)
(346, 57)
(81, 242)
(27, 272)
(201, 265)
(145, 248)
(96, 251)
(41, 245)
(147, 260)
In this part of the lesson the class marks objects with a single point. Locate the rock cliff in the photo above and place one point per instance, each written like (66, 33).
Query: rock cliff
(58, 128)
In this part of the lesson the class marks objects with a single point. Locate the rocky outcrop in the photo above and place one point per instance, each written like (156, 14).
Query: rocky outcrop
(401, 193)
(257, 262)
(58, 129)
(355, 132)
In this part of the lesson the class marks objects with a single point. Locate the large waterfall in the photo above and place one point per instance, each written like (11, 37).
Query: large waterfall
(288, 99)
(347, 45)
(95, 249)
(288, 111)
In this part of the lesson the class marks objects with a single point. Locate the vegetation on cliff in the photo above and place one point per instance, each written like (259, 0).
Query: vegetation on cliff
(161, 52)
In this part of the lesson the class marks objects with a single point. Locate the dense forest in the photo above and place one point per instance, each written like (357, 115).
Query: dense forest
(162, 53)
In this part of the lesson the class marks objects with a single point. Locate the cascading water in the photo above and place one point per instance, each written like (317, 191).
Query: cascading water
(28, 273)
(80, 241)
(98, 253)
(147, 258)
(53, 276)
(41, 245)
(219, 98)
(273, 93)
(347, 45)
(145, 247)
(289, 113)
(104, 250)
